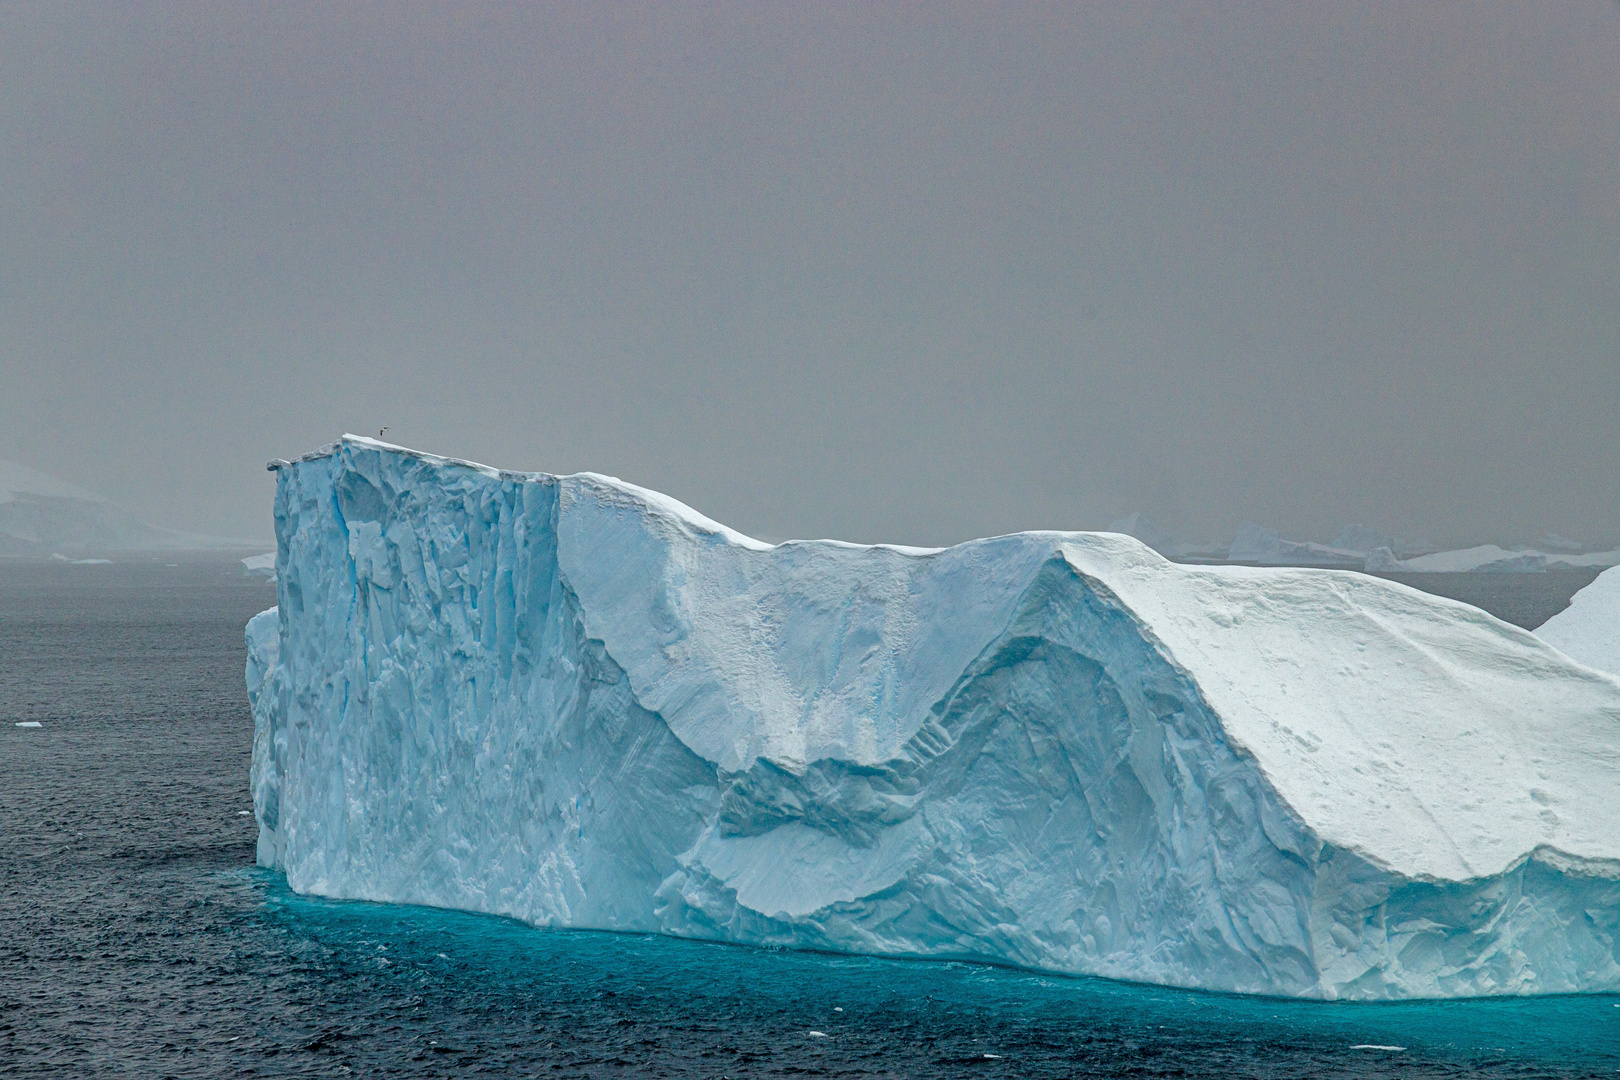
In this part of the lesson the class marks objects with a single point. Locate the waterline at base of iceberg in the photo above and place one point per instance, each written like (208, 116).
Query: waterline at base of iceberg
(581, 704)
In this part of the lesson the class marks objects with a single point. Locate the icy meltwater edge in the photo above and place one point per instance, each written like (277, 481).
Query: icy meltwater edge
(136, 939)
(579, 703)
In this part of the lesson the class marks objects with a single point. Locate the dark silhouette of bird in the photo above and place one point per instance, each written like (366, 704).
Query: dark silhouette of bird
(380, 431)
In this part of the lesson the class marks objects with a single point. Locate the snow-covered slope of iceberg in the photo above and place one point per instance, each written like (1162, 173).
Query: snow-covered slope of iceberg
(1589, 629)
(580, 703)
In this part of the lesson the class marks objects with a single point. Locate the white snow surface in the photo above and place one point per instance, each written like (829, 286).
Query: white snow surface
(1589, 629)
(580, 703)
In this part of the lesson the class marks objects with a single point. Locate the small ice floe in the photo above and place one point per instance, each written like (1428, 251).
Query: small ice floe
(243, 813)
(993, 1057)
(1375, 1046)
(816, 1034)
(263, 566)
(840, 1008)
(29, 723)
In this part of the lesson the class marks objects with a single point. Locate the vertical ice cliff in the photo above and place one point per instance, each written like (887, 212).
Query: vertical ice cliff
(580, 703)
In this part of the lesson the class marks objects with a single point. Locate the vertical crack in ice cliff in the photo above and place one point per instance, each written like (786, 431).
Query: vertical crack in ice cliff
(580, 703)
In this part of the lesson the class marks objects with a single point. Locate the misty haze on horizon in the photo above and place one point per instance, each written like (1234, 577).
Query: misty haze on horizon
(882, 273)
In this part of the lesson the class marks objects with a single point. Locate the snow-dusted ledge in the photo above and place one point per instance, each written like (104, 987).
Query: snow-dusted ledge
(580, 703)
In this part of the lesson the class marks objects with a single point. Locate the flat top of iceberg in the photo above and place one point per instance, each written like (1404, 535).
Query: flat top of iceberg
(610, 486)
(1420, 732)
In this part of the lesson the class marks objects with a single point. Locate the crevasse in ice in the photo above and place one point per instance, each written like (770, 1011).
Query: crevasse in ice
(579, 703)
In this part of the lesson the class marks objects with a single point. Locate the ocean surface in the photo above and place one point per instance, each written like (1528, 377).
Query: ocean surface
(138, 939)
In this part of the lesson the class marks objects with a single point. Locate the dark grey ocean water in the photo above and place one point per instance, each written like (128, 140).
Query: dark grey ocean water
(137, 938)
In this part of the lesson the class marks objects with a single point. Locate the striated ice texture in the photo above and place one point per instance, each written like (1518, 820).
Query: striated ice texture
(580, 703)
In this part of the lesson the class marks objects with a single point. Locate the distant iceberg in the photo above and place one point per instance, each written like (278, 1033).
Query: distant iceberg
(1589, 629)
(1488, 558)
(1363, 540)
(1360, 547)
(580, 703)
(261, 566)
(1266, 547)
(41, 516)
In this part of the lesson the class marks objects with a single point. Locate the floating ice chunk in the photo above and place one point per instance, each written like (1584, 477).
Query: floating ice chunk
(29, 723)
(571, 701)
(1381, 560)
(260, 566)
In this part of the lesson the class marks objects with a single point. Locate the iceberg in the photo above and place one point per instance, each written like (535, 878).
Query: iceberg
(577, 702)
(1363, 540)
(1360, 547)
(262, 566)
(1488, 558)
(1483, 558)
(1589, 629)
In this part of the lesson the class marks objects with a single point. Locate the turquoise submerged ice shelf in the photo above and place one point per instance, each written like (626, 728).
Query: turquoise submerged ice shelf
(580, 703)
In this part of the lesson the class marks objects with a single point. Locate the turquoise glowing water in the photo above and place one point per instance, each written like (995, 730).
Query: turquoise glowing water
(475, 988)
(137, 939)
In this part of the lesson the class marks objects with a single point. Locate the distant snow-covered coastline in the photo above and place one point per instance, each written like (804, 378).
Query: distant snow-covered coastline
(43, 517)
(1360, 547)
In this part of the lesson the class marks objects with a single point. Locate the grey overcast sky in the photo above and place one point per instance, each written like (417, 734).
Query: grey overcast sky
(880, 272)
